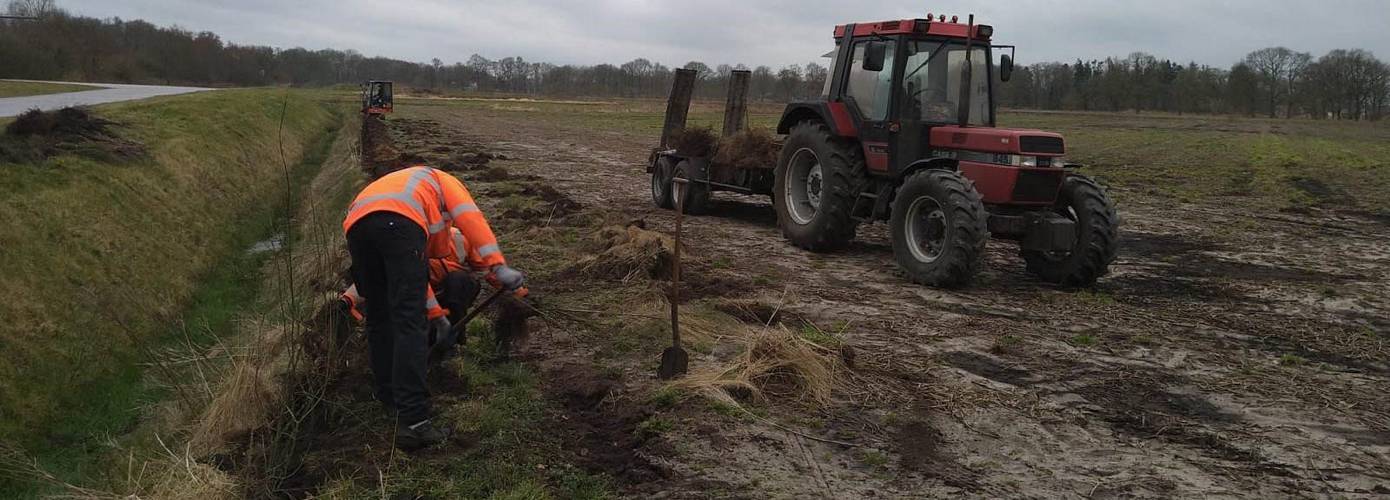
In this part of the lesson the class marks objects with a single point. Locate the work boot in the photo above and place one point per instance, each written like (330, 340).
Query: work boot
(419, 435)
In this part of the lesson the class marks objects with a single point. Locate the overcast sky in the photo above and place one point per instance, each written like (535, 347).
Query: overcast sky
(753, 32)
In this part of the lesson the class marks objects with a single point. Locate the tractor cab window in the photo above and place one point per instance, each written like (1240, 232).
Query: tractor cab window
(871, 90)
(381, 94)
(931, 82)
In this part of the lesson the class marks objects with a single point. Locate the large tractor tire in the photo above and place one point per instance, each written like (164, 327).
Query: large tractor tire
(939, 228)
(816, 182)
(696, 192)
(662, 173)
(1097, 236)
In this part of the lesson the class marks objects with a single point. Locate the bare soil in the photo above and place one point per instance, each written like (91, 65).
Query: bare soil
(1229, 353)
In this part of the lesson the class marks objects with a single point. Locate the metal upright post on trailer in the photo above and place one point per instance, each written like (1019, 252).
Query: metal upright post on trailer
(736, 108)
(678, 106)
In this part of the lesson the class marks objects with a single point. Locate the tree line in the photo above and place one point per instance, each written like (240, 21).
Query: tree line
(1345, 84)
(1273, 82)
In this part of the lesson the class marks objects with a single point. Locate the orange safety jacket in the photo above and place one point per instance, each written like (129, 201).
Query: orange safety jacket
(436, 201)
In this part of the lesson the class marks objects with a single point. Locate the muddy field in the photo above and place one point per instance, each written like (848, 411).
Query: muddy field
(1230, 353)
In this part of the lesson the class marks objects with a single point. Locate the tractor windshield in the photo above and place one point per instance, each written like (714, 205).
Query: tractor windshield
(931, 82)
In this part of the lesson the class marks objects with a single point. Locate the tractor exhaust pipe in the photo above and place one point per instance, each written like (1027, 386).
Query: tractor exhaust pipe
(963, 113)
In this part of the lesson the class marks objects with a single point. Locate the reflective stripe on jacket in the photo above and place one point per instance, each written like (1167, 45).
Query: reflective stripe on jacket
(441, 267)
(435, 201)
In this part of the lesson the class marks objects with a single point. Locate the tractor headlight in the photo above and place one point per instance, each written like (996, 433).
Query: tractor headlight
(1027, 161)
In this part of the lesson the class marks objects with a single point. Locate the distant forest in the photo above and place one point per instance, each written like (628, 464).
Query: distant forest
(1275, 82)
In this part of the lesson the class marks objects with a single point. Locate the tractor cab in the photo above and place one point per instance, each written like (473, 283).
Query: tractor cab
(376, 97)
(917, 91)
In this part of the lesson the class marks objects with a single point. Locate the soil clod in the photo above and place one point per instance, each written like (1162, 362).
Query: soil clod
(37, 135)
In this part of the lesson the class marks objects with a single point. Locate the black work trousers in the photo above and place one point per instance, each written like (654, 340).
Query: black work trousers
(389, 267)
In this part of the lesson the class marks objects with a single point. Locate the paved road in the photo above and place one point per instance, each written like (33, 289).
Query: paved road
(111, 92)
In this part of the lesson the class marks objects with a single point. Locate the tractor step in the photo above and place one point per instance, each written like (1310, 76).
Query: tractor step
(863, 212)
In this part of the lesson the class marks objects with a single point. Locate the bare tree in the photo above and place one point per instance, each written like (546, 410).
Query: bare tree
(32, 8)
(1273, 65)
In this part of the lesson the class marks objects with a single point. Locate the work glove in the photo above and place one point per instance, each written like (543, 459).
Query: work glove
(443, 336)
(442, 332)
(507, 278)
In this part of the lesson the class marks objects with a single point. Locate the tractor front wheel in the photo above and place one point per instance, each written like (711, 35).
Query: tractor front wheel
(662, 173)
(1097, 236)
(939, 228)
(815, 186)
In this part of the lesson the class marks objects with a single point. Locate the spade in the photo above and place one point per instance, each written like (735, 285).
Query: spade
(674, 360)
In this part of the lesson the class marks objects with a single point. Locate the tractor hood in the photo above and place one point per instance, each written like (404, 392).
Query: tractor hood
(998, 140)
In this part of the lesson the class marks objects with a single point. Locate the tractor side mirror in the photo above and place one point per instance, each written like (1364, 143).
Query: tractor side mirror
(1006, 68)
(874, 54)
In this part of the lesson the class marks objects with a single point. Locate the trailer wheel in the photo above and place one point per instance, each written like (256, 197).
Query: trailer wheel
(662, 173)
(815, 186)
(939, 228)
(1097, 236)
(696, 192)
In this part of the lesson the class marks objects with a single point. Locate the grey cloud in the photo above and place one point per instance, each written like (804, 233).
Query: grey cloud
(774, 32)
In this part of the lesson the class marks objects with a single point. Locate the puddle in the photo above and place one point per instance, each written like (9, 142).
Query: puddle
(271, 244)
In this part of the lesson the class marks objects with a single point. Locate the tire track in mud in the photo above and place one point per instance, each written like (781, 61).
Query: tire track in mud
(1179, 316)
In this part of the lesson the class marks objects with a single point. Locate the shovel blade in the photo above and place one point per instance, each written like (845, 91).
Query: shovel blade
(674, 361)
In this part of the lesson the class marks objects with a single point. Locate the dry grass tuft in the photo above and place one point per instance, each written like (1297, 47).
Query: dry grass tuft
(168, 475)
(776, 363)
(628, 252)
(749, 148)
(243, 404)
(697, 142)
(250, 393)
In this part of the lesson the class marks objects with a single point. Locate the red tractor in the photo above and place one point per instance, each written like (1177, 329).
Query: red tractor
(905, 132)
(376, 98)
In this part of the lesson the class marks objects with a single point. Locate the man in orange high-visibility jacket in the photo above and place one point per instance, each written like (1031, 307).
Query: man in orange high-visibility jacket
(394, 226)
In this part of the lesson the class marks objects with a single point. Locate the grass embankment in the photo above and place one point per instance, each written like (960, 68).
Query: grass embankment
(1264, 163)
(102, 261)
(10, 88)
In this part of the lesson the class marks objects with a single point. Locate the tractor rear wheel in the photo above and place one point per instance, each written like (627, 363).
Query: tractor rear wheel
(817, 179)
(696, 192)
(662, 172)
(939, 228)
(1097, 236)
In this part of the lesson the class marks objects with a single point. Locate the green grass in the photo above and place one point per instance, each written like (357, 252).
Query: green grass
(106, 264)
(1005, 343)
(18, 89)
(654, 426)
(515, 454)
(874, 458)
(666, 397)
(823, 338)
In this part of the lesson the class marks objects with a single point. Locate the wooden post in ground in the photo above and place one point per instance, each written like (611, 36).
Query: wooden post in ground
(677, 106)
(736, 107)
